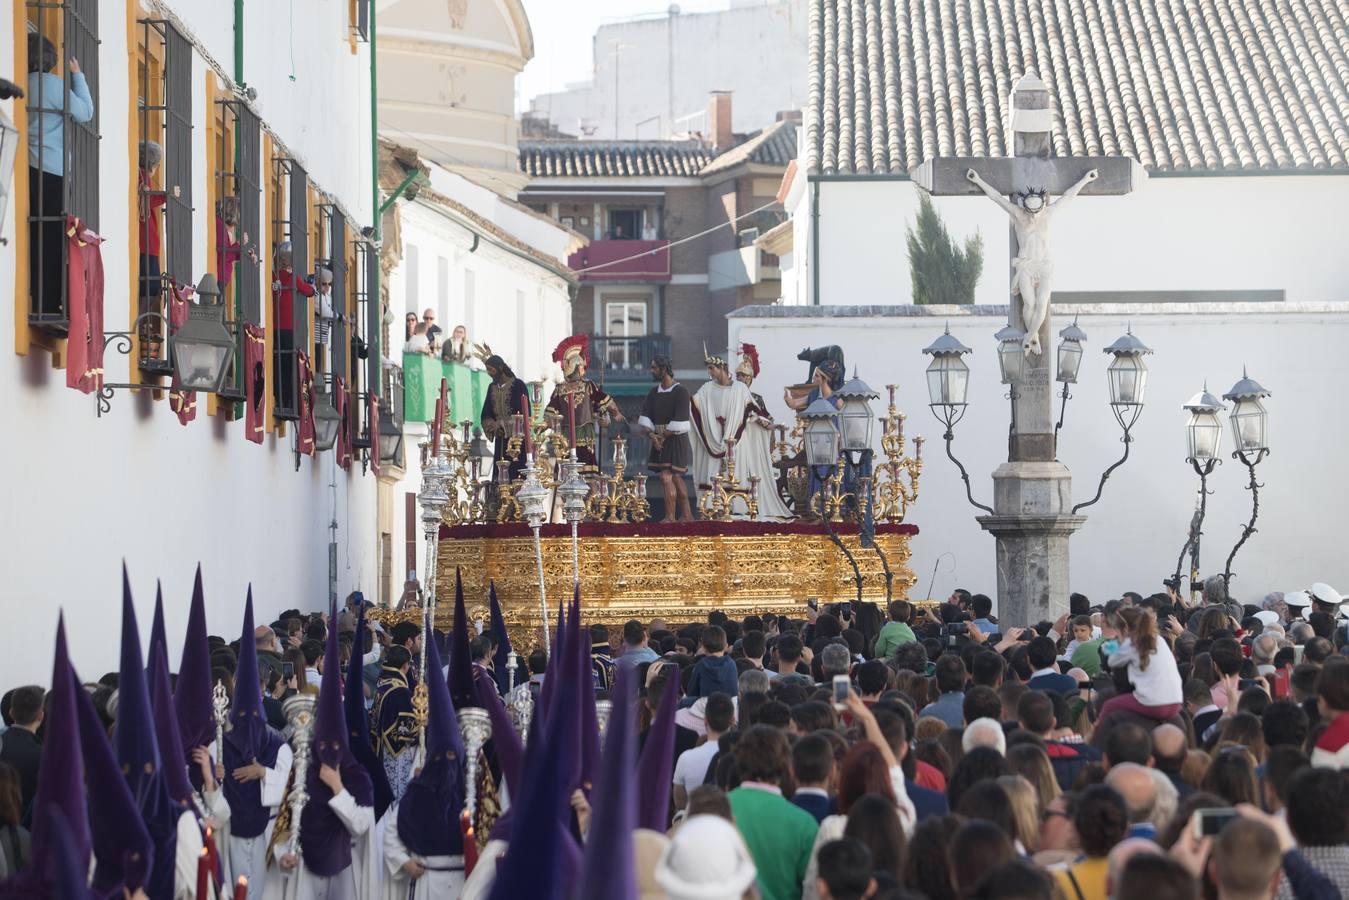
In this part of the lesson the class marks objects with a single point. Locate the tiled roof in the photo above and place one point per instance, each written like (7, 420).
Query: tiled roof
(1203, 85)
(773, 146)
(612, 159)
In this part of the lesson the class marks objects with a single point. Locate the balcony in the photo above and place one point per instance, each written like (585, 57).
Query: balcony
(627, 358)
(651, 262)
(740, 267)
(421, 388)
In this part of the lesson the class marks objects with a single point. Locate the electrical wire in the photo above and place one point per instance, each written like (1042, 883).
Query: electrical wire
(684, 240)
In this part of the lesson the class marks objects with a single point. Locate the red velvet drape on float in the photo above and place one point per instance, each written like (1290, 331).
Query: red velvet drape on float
(84, 347)
(307, 399)
(255, 382)
(373, 417)
(344, 428)
(183, 403)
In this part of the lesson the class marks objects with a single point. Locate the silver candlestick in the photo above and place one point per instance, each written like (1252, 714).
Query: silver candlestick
(533, 499)
(220, 705)
(521, 702)
(573, 492)
(299, 712)
(603, 709)
(476, 727)
(512, 660)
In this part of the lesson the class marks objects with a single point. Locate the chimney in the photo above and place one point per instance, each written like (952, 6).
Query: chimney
(719, 121)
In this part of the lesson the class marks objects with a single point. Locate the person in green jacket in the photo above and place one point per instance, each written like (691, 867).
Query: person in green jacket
(779, 834)
(896, 631)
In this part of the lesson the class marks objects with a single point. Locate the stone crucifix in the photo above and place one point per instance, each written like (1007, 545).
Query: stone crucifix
(1032, 491)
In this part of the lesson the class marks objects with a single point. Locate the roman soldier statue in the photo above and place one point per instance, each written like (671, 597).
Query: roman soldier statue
(578, 400)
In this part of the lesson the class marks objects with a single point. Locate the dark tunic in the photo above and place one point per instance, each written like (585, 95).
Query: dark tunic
(666, 408)
(590, 401)
(395, 725)
(502, 402)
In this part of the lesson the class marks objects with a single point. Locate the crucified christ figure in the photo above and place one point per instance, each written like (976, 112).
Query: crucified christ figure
(1031, 267)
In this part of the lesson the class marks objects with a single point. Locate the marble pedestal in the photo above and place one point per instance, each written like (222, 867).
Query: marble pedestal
(1032, 525)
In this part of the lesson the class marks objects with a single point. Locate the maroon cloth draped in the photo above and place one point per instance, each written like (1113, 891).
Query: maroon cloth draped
(344, 429)
(255, 382)
(84, 347)
(307, 399)
(183, 403)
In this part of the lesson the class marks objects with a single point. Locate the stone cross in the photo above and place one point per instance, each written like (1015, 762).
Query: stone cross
(1032, 490)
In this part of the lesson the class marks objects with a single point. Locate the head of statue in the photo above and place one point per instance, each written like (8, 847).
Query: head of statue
(1033, 201)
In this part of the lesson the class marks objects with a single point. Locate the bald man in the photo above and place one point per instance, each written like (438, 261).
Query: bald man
(1136, 785)
(1169, 745)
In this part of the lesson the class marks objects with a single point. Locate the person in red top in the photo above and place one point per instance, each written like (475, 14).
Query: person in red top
(151, 201)
(284, 288)
(229, 242)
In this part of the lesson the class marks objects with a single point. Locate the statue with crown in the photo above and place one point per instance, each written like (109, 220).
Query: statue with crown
(578, 401)
(732, 433)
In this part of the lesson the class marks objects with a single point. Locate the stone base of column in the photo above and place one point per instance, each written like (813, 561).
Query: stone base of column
(1032, 526)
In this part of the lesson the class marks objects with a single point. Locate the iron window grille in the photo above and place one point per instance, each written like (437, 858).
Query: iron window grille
(363, 380)
(165, 116)
(331, 255)
(74, 192)
(238, 186)
(363, 19)
(290, 223)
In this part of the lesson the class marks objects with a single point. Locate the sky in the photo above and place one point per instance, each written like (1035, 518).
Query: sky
(563, 30)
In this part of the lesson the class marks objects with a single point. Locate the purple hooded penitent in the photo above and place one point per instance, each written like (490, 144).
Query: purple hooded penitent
(60, 785)
(248, 739)
(510, 752)
(171, 752)
(501, 657)
(192, 694)
(138, 752)
(428, 814)
(461, 659)
(608, 871)
(655, 770)
(358, 723)
(325, 842)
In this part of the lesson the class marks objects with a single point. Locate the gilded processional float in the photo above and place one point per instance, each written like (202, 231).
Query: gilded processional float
(785, 513)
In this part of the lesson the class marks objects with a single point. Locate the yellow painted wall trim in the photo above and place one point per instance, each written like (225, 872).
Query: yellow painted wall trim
(266, 227)
(213, 406)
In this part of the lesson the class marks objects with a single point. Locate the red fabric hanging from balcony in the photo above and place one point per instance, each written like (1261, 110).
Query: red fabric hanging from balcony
(84, 347)
(255, 382)
(183, 403)
(305, 434)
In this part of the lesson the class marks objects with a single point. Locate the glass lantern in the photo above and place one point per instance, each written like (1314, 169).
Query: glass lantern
(1204, 431)
(1249, 417)
(948, 381)
(821, 437)
(1128, 373)
(1011, 354)
(390, 440)
(1070, 353)
(856, 419)
(620, 453)
(327, 423)
(203, 347)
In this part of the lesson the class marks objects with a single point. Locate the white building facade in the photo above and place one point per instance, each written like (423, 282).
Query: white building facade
(134, 485)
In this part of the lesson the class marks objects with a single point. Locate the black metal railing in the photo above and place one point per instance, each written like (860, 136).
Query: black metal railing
(627, 357)
(290, 220)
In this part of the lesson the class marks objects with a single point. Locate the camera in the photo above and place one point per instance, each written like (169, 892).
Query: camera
(954, 628)
(1209, 822)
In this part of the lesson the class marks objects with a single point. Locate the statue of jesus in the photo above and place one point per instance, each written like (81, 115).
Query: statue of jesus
(1031, 267)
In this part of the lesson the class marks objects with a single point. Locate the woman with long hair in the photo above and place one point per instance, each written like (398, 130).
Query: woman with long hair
(15, 849)
(1032, 763)
(1025, 805)
(1231, 775)
(872, 820)
(925, 868)
(1151, 668)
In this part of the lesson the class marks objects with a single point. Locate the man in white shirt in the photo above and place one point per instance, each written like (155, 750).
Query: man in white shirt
(691, 767)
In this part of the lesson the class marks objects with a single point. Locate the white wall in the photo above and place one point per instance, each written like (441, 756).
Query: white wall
(1175, 234)
(755, 51)
(1134, 534)
(83, 494)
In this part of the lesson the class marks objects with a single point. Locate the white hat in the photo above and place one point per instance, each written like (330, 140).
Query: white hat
(1344, 611)
(1297, 598)
(1324, 593)
(705, 860)
(1267, 617)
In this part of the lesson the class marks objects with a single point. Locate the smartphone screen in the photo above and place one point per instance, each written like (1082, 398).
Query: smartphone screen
(813, 603)
(1209, 822)
(287, 671)
(841, 685)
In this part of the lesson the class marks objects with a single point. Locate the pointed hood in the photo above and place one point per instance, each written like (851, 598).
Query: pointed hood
(158, 641)
(138, 751)
(501, 658)
(461, 657)
(656, 767)
(358, 721)
(608, 871)
(330, 732)
(192, 694)
(60, 777)
(510, 751)
(247, 723)
(541, 813)
(171, 752)
(555, 660)
(428, 814)
(72, 864)
(588, 726)
(578, 669)
(123, 848)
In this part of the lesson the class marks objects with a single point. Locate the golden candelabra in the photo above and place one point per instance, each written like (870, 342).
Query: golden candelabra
(717, 504)
(890, 495)
(614, 498)
(830, 500)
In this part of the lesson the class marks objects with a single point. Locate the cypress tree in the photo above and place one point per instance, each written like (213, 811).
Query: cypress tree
(941, 271)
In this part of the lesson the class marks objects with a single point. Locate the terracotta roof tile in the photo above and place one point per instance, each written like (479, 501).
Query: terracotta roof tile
(1206, 85)
(612, 159)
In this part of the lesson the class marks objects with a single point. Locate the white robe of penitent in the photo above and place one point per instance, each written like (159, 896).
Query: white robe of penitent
(353, 882)
(444, 878)
(248, 856)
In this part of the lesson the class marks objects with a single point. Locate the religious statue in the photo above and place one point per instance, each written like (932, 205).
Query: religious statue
(578, 400)
(665, 417)
(507, 397)
(754, 452)
(1032, 268)
(828, 359)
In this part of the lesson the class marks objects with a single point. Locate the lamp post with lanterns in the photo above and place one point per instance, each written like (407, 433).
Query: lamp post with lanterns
(1128, 375)
(824, 447)
(1250, 423)
(1071, 339)
(533, 499)
(1203, 440)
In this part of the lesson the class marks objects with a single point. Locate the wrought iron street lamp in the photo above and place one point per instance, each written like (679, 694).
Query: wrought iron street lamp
(327, 423)
(1070, 363)
(1249, 425)
(822, 446)
(856, 419)
(390, 439)
(1011, 355)
(1203, 439)
(203, 347)
(1128, 377)
(948, 383)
